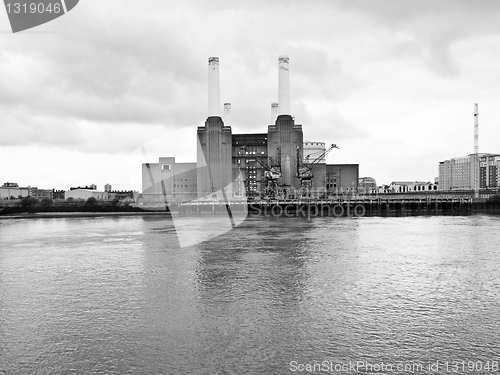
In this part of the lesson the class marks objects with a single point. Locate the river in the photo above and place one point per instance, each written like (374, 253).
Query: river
(118, 295)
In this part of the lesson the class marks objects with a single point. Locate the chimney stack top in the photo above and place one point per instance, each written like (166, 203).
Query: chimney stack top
(213, 87)
(283, 86)
(283, 59)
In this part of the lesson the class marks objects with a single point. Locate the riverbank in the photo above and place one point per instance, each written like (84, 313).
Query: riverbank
(339, 208)
(39, 215)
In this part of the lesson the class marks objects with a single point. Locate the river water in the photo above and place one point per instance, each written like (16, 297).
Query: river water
(117, 295)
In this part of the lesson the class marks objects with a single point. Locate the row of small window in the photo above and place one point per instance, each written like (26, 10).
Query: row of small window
(238, 161)
(179, 186)
(251, 153)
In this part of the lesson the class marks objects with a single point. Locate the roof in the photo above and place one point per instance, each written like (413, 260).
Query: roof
(411, 183)
(91, 190)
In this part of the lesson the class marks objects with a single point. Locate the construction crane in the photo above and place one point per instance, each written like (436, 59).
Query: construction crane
(272, 173)
(305, 171)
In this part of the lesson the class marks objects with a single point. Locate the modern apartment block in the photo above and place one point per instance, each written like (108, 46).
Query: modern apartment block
(458, 173)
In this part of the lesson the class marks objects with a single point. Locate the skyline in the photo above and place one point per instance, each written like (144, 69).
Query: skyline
(74, 104)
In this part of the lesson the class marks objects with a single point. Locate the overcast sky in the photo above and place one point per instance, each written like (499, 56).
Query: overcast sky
(393, 83)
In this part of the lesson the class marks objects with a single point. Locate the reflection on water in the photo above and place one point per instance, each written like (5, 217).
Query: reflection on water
(119, 295)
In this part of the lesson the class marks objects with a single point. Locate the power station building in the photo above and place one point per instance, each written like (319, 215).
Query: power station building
(229, 166)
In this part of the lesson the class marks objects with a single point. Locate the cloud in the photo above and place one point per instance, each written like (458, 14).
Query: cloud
(117, 72)
(394, 75)
(433, 26)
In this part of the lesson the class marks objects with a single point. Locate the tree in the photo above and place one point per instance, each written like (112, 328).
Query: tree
(91, 202)
(28, 202)
(46, 202)
(115, 201)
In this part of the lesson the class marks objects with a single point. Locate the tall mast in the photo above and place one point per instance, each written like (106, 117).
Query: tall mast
(476, 151)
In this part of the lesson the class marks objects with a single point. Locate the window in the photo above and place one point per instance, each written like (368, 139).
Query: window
(166, 167)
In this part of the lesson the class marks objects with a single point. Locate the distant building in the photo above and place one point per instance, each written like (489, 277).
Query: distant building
(168, 180)
(382, 189)
(342, 178)
(411, 186)
(86, 194)
(367, 184)
(10, 184)
(91, 187)
(11, 190)
(40, 193)
(58, 194)
(121, 194)
(458, 173)
(107, 188)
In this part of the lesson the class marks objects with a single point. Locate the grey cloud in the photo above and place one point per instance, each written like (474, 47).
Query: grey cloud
(132, 71)
(72, 134)
(146, 63)
(435, 25)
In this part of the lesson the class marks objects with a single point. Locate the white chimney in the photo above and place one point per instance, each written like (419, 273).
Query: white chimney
(274, 112)
(227, 114)
(213, 87)
(283, 86)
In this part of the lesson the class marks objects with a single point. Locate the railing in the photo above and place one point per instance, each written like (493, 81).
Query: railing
(385, 197)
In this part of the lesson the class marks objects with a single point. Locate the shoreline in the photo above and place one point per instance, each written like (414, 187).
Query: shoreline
(250, 214)
(48, 215)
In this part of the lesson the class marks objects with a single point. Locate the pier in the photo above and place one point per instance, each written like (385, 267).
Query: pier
(380, 205)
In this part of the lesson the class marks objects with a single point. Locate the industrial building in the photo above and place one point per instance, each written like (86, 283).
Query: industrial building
(367, 184)
(86, 194)
(230, 166)
(11, 190)
(412, 186)
(168, 181)
(458, 173)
